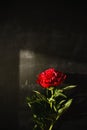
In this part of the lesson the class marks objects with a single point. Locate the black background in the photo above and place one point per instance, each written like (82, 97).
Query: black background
(53, 20)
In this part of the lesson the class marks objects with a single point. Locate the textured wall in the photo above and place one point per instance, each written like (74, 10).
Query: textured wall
(9, 87)
(51, 37)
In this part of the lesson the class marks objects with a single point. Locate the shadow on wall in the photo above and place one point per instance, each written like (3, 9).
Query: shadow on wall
(14, 70)
(9, 86)
(31, 64)
(59, 38)
(14, 111)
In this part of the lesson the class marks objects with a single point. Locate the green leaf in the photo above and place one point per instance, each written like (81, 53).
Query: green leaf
(68, 103)
(51, 99)
(40, 96)
(58, 92)
(61, 102)
(65, 107)
(55, 109)
(69, 87)
(28, 98)
(36, 92)
(34, 115)
(62, 95)
(29, 104)
(33, 100)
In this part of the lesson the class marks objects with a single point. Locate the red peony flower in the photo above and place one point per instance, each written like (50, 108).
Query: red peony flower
(50, 78)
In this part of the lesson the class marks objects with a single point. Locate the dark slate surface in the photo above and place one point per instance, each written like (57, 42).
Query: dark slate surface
(50, 30)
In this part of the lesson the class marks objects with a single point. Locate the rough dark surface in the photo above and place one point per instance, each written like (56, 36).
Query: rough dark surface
(58, 34)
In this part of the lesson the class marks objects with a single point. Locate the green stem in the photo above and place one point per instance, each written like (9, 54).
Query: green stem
(51, 126)
(52, 91)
